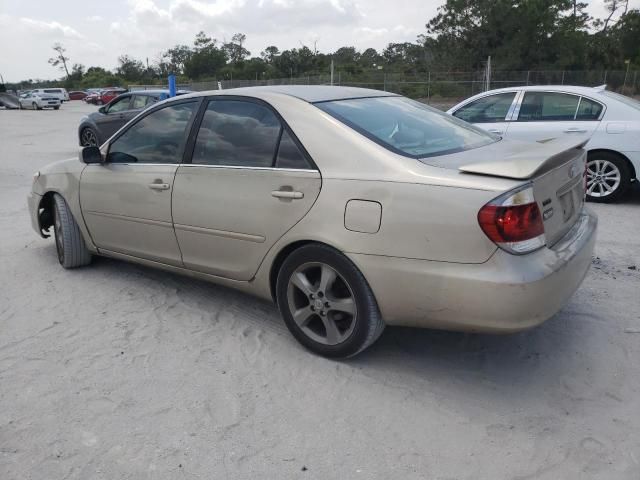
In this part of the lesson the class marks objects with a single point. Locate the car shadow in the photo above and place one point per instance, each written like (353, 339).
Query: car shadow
(511, 364)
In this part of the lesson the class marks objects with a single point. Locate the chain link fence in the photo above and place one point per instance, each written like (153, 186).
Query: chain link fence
(441, 88)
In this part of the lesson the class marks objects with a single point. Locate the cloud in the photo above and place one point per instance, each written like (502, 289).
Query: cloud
(94, 18)
(51, 29)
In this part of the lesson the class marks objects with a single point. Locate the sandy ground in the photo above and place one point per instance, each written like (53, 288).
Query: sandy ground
(117, 371)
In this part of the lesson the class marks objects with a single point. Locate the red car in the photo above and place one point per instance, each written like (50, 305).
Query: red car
(77, 95)
(107, 95)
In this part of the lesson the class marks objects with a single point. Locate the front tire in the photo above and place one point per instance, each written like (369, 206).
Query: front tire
(72, 251)
(35, 106)
(608, 177)
(327, 303)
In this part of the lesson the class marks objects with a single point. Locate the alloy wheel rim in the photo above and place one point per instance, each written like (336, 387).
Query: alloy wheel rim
(322, 303)
(603, 178)
(89, 138)
(57, 225)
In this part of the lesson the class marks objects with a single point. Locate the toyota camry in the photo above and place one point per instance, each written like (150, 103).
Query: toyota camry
(351, 209)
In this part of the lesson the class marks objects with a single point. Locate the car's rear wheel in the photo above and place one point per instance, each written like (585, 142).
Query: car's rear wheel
(72, 251)
(88, 137)
(326, 302)
(608, 177)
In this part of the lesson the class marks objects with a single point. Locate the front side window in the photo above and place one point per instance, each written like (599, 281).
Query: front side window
(407, 127)
(156, 138)
(548, 106)
(237, 133)
(119, 105)
(491, 109)
(589, 110)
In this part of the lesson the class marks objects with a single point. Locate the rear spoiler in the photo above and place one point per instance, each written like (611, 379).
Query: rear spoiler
(540, 158)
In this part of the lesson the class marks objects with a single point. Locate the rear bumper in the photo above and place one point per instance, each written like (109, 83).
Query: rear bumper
(507, 293)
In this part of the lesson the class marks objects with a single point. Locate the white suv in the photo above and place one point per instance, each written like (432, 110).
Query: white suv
(60, 93)
(610, 122)
(38, 101)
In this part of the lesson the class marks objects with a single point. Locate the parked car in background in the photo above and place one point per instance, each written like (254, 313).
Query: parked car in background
(92, 97)
(77, 95)
(96, 128)
(60, 93)
(37, 101)
(107, 95)
(538, 113)
(350, 208)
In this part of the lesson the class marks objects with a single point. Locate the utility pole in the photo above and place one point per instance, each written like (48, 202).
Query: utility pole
(332, 71)
(626, 74)
(488, 74)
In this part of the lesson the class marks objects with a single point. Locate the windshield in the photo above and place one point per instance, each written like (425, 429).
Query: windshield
(624, 99)
(407, 127)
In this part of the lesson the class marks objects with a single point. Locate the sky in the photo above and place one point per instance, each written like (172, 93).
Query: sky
(96, 33)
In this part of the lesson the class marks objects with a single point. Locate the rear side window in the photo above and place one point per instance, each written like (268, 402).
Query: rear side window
(52, 90)
(237, 133)
(548, 106)
(407, 127)
(141, 101)
(289, 155)
(157, 138)
(588, 110)
(491, 109)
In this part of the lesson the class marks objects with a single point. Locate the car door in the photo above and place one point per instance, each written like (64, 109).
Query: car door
(114, 116)
(249, 182)
(543, 115)
(126, 202)
(491, 112)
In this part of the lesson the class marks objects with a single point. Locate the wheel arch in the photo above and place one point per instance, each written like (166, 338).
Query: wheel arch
(45, 212)
(632, 169)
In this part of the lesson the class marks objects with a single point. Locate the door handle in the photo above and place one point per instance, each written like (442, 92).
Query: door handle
(575, 130)
(496, 132)
(288, 194)
(159, 186)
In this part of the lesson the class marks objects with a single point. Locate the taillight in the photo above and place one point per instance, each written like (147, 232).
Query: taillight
(513, 222)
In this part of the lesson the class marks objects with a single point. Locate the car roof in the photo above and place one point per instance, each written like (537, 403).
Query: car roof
(556, 88)
(308, 93)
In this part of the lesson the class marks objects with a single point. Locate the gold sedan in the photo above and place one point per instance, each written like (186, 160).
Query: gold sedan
(352, 209)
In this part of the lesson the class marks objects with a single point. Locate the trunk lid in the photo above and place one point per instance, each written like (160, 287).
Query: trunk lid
(555, 170)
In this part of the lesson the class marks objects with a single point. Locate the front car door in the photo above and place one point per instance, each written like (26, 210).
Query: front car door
(126, 202)
(491, 112)
(249, 182)
(543, 115)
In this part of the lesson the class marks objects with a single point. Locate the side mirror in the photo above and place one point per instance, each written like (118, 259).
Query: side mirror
(92, 155)
(102, 110)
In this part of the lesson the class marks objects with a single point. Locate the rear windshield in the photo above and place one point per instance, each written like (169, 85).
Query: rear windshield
(407, 127)
(624, 99)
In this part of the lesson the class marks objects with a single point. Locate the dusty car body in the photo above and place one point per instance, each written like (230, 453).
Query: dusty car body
(347, 229)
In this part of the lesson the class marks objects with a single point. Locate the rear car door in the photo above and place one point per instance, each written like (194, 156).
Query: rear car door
(546, 115)
(126, 202)
(115, 115)
(249, 182)
(491, 112)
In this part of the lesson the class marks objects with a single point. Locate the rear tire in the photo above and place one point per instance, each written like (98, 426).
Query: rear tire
(327, 303)
(608, 177)
(72, 251)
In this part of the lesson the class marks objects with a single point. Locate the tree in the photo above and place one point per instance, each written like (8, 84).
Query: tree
(235, 50)
(174, 59)
(130, 68)
(206, 59)
(60, 60)
(269, 54)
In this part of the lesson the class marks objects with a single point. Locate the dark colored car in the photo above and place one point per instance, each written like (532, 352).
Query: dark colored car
(97, 127)
(77, 95)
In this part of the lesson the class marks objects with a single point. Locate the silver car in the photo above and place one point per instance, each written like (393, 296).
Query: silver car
(352, 209)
